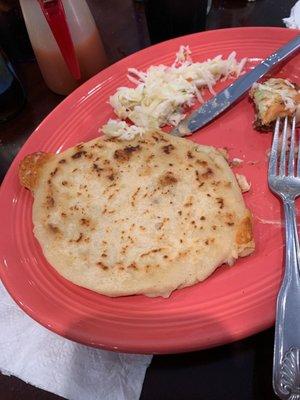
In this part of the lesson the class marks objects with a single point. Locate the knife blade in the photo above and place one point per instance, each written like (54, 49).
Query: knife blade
(224, 99)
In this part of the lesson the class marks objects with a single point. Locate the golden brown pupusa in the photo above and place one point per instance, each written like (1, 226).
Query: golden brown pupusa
(146, 216)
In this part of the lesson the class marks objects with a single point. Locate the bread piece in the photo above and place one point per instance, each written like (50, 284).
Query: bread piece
(141, 217)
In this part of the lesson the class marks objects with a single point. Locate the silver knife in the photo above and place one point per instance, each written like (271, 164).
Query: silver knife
(219, 103)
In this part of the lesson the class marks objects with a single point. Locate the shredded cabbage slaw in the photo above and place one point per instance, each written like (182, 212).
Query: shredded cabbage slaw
(163, 93)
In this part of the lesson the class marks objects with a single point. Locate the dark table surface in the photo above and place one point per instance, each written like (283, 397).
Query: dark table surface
(241, 370)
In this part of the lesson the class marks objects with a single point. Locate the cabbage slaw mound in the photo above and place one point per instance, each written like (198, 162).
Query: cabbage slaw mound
(163, 93)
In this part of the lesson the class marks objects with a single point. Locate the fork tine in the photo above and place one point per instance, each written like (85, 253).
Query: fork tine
(282, 165)
(274, 150)
(291, 167)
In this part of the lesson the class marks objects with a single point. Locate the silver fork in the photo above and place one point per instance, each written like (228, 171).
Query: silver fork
(284, 181)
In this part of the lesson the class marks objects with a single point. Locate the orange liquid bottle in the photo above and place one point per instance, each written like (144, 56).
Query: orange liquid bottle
(86, 40)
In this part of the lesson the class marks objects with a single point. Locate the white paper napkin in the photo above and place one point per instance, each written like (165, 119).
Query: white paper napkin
(294, 19)
(76, 372)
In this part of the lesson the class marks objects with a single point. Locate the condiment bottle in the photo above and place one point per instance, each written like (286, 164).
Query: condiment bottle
(86, 40)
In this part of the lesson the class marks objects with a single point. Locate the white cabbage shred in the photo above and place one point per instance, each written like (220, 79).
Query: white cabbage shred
(122, 130)
(163, 93)
(236, 162)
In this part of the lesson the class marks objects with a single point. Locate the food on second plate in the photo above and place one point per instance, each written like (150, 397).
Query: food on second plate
(141, 217)
(274, 98)
(163, 93)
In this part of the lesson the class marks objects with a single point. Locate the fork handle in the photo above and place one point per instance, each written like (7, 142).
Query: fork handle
(286, 365)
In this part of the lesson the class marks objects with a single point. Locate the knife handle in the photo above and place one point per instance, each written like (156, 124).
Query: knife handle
(282, 53)
(245, 82)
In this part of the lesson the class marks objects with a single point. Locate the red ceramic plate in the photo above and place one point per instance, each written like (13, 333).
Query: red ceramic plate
(233, 303)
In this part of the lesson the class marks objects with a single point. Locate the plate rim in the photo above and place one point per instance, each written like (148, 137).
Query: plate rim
(37, 131)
